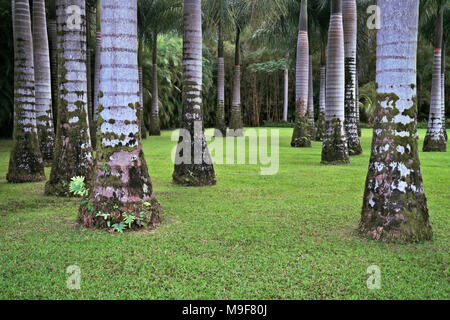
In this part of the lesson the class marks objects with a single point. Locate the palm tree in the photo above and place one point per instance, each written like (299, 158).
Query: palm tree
(395, 206)
(44, 116)
(195, 167)
(444, 129)
(312, 131)
(335, 149)
(155, 17)
(301, 137)
(435, 140)
(121, 182)
(25, 164)
(53, 47)
(221, 126)
(73, 151)
(349, 13)
(320, 127)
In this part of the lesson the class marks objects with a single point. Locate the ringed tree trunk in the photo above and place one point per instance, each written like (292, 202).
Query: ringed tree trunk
(286, 92)
(358, 115)
(52, 39)
(236, 112)
(98, 48)
(349, 13)
(221, 126)
(322, 97)
(143, 131)
(335, 149)
(73, 151)
(193, 166)
(444, 129)
(312, 127)
(435, 140)
(395, 206)
(154, 115)
(301, 137)
(121, 182)
(25, 164)
(43, 83)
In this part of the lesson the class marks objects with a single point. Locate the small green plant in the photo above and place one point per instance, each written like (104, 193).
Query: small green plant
(104, 215)
(128, 219)
(119, 227)
(77, 187)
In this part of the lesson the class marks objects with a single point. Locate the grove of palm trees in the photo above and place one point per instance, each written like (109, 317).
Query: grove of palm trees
(224, 150)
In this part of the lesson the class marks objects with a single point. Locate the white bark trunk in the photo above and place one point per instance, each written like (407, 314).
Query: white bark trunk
(286, 95)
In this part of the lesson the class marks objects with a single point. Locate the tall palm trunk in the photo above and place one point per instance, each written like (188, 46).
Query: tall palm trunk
(358, 115)
(322, 96)
(286, 91)
(154, 115)
(444, 129)
(193, 164)
(236, 112)
(435, 140)
(73, 151)
(43, 83)
(141, 89)
(25, 164)
(349, 13)
(395, 207)
(312, 128)
(301, 136)
(98, 48)
(335, 149)
(220, 113)
(52, 40)
(121, 181)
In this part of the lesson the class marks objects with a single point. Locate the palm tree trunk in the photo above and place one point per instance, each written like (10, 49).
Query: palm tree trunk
(301, 136)
(335, 149)
(98, 48)
(395, 207)
(444, 129)
(25, 164)
(349, 13)
(154, 116)
(44, 115)
(286, 94)
(141, 89)
(435, 140)
(52, 37)
(221, 126)
(236, 112)
(322, 97)
(358, 115)
(121, 179)
(193, 164)
(73, 150)
(312, 127)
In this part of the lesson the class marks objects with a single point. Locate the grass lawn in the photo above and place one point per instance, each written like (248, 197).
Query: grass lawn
(287, 236)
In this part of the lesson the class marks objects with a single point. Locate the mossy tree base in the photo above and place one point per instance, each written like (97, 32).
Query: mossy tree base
(334, 149)
(194, 175)
(236, 122)
(147, 214)
(25, 164)
(320, 127)
(431, 145)
(354, 149)
(301, 137)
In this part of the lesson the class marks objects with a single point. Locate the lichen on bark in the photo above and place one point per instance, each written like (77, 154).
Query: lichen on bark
(73, 150)
(121, 183)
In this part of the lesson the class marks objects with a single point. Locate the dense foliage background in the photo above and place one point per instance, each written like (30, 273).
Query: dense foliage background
(262, 73)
